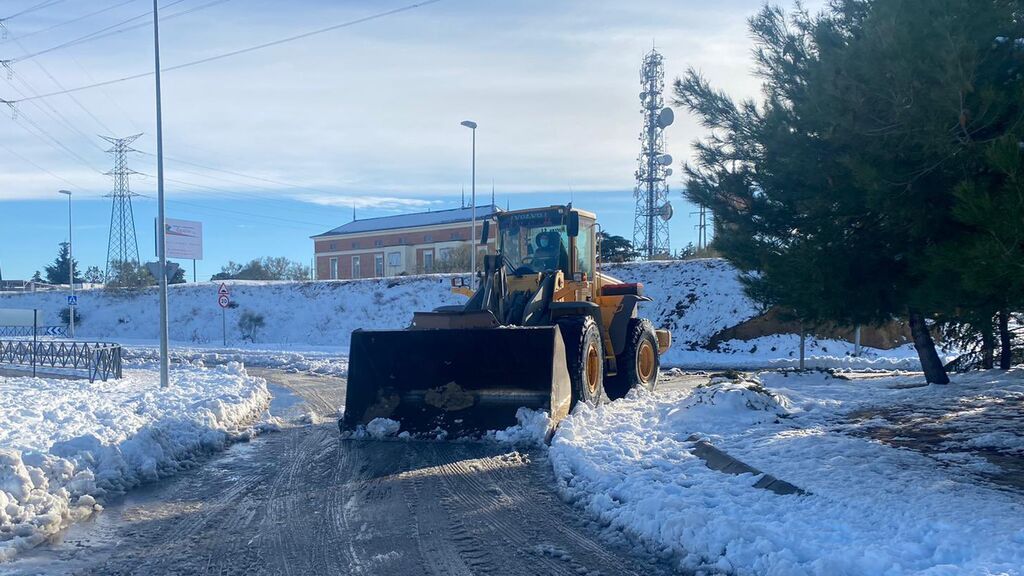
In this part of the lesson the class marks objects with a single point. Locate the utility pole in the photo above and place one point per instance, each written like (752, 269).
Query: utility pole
(472, 229)
(71, 268)
(161, 220)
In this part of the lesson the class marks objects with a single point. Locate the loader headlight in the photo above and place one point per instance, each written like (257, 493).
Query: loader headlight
(578, 276)
(457, 282)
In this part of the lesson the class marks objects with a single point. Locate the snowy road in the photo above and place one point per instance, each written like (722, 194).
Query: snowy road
(303, 501)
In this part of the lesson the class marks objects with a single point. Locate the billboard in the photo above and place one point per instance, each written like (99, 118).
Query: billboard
(184, 239)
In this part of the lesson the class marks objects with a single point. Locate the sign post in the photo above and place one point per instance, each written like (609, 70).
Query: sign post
(224, 300)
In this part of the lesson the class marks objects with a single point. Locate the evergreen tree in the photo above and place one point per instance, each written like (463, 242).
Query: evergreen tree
(615, 248)
(59, 271)
(838, 193)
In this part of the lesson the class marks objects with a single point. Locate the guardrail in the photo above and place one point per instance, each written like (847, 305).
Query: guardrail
(99, 359)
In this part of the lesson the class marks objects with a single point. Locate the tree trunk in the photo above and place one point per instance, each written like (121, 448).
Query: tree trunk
(988, 346)
(934, 371)
(1005, 353)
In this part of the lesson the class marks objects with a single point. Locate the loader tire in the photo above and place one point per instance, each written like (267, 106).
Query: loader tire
(638, 364)
(584, 357)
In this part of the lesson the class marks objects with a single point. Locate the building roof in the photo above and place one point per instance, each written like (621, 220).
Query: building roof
(413, 220)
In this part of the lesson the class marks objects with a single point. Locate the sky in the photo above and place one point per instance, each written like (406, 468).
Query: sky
(270, 147)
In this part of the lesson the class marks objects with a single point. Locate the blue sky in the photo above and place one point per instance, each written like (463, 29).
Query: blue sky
(366, 115)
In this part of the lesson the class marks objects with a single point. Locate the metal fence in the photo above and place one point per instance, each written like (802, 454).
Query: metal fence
(26, 331)
(100, 360)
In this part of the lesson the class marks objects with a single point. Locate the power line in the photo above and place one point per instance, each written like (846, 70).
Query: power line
(66, 22)
(240, 51)
(39, 6)
(111, 30)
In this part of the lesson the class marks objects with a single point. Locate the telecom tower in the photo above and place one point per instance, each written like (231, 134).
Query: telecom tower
(122, 245)
(653, 210)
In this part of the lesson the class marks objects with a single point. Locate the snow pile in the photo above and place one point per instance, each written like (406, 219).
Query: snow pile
(742, 400)
(382, 427)
(872, 508)
(533, 428)
(66, 443)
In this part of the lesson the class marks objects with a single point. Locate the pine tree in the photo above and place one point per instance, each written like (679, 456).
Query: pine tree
(842, 192)
(58, 272)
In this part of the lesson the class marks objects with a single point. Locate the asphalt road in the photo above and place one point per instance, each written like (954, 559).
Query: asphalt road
(305, 501)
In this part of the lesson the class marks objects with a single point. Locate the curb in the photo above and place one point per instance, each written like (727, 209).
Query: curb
(719, 461)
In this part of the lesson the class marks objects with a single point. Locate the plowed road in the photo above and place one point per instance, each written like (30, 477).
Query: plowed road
(304, 501)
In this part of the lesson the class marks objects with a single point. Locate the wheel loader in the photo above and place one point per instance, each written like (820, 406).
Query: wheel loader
(544, 330)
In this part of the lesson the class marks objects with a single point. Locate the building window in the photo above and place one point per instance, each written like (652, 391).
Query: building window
(395, 259)
(356, 268)
(355, 245)
(334, 246)
(401, 239)
(445, 254)
(428, 262)
(378, 265)
(456, 235)
(428, 237)
(378, 243)
(334, 268)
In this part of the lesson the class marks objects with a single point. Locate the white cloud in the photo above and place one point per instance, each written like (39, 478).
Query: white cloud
(370, 114)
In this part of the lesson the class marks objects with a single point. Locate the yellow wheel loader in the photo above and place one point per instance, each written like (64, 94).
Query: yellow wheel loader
(544, 330)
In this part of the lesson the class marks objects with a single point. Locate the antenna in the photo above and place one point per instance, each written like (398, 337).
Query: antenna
(463, 195)
(492, 191)
(650, 224)
(353, 211)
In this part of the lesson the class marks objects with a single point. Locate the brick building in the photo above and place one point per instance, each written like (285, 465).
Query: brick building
(417, 243)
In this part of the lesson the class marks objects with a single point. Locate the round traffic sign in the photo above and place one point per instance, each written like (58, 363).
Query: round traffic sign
(223, 300)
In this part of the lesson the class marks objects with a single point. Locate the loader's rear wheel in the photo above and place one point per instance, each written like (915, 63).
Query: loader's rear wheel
(584, 357)
(638, 364)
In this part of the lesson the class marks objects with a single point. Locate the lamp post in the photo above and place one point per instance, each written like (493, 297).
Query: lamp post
(71, 268)
(472, 234)
(161, 220)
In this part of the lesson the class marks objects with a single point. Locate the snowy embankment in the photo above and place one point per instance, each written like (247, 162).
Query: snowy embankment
(880, 500)
(695, 299)
(65, 444)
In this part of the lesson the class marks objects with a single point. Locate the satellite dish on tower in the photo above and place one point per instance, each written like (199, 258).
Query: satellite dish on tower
(665, 212)
(665, 159)
(665, 118)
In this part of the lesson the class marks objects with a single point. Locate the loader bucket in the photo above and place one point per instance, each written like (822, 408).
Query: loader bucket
(464, 381)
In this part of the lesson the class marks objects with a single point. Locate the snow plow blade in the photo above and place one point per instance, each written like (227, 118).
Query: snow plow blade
(463, 381)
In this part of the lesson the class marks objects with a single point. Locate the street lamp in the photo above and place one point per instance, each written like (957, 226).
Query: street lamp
(472, 235)
(71, 268)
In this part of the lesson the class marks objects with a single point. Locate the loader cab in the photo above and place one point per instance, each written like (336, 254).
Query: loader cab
(553, 238)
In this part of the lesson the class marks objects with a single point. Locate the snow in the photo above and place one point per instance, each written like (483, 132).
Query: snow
(533, 427)
(66, 444)
(298, 314)
(382, 427)
(312, 321)
(878, 503)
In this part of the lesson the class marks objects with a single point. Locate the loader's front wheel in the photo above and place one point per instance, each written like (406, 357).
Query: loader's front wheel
(638, 364)
(584, 358)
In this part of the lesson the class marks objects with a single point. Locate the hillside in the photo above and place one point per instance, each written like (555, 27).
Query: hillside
(695, 299)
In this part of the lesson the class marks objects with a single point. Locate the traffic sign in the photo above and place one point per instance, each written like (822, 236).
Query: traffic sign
(223, 300)
(72, 300)
(223, 290)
